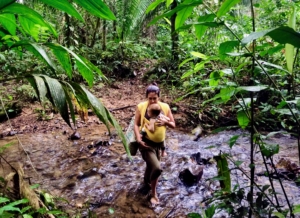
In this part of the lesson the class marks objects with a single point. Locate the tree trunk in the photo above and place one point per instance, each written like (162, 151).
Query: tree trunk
(95, 33)
(68, 31)
(174, 34)
(104, 35)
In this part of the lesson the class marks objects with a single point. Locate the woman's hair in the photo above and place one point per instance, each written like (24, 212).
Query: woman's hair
(153, 87)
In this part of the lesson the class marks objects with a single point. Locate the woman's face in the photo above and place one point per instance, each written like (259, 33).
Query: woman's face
(152, 97)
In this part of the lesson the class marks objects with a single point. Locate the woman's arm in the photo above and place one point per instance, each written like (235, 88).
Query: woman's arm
(170, 123)
(137, 123)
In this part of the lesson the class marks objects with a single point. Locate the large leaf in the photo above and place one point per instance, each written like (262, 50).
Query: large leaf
(272, 65)
(65, 6)
(178, 8)
(226, 6)
(5, 3)
(153, 5)
(283, 35)
(29, 14)
(85, 72)
(63, 57)
(58, 97)
(227, 93)
(8, 21)
(41, 88)
(199, 28)
(103, 114)
(227, 47)
(183, 15)
(37, 50)
(199, 55)
(289, 49)
(97, 8)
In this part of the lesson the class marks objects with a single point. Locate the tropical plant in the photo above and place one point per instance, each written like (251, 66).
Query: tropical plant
(23, 30)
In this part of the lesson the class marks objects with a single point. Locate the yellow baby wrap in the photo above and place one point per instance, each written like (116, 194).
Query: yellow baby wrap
(159, 134)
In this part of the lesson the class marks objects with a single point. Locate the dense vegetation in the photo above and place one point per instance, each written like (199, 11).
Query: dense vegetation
(233, 55)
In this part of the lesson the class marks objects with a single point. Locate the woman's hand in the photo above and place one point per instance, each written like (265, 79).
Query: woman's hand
(161, 122)
(142, 144)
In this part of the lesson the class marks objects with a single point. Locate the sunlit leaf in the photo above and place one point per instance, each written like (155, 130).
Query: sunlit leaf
(85, 72)
(289, 49)
(65, 6)
(97, 8)
(183, 14)
(269, 150)
(185, 61)
(29, 14)
(153, 5)
(63, 57)
(3, 200)
(169, 2)
(199, 55)
(226, 6)
(8, 21)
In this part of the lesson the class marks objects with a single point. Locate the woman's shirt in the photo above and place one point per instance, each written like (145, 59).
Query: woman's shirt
(159, 134)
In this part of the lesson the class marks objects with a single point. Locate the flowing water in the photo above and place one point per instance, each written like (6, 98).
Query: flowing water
(106, 181)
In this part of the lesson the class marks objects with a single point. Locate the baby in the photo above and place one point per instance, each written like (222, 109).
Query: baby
(154, 112)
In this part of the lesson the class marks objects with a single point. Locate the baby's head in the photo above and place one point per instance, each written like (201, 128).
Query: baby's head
(154, 110)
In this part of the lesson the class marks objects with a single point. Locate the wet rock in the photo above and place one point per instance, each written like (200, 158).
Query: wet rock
(192, 175)
(75, 136)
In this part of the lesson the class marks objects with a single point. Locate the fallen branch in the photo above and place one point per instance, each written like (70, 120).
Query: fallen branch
(121, 108)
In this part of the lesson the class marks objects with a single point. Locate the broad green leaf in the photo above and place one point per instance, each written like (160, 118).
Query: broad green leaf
(29, 14)
(102, 113)
(8, 21)
(30, 27)
(5, 3)
(187, 74)
(183, 14)
(3, 200)
(215, 77)
(185, 61)
(178, 8)
(252, 88)
(58, 97)
(200, 28)
(37, 50)
(168, 3)
(85, 72)
(153, 5)
(227, 47)
(226, 6)
(269, 150)
(97, 8)
(92, 67)
(223, 172)
(296, 208)
(64, 59)
(289, 49)
(199, 55)
(65, 6)
(233, 140)
(227, 93)
(242, 119)
(283, 35)
(41, 87)
(27, 216)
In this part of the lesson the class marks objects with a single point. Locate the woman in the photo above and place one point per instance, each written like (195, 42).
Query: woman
(151, 143)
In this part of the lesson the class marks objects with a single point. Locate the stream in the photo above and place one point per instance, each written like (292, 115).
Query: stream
(103, 179)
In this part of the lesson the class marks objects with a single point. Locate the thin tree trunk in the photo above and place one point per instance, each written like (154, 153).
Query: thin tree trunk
(104, 35)
(68, 31)
(95, 33)
(174, 34)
